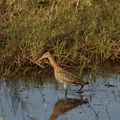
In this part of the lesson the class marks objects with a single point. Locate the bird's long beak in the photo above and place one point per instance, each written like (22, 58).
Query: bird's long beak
(39, 59)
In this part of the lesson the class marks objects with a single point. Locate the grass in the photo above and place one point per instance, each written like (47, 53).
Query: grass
(80, 33)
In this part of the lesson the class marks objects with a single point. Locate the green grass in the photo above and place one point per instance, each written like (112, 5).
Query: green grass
(80, 33)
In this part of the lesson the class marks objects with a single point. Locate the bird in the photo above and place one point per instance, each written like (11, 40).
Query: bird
(61, 75)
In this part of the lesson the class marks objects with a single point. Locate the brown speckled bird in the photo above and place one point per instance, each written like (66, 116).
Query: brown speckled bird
(61, 75)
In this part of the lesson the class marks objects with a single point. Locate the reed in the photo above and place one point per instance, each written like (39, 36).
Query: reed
(81, 33)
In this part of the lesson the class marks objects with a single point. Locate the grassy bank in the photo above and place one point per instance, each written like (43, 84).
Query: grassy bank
(80, 33)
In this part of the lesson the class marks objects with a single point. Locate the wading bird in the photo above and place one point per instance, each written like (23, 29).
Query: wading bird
(61, 75)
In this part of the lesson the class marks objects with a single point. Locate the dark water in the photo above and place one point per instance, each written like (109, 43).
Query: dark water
(42, 98)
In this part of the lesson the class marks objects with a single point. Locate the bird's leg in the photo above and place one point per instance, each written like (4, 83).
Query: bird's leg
(65, 86)
(79, 91)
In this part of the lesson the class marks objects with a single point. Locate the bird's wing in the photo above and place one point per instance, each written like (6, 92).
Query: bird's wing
(65, 77)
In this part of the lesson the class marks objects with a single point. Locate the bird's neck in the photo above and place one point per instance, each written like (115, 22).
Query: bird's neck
(53, 63)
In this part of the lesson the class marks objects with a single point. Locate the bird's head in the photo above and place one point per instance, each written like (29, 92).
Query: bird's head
(46, 55)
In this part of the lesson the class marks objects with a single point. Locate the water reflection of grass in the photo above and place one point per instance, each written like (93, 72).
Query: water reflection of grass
(11, 97)
(81, 33)
(17, 90)
(31, 81)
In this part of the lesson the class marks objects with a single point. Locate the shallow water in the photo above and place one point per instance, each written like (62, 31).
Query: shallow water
(42, 98)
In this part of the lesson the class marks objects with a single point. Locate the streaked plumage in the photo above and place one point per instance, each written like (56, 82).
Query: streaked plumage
(67, 78)
(61, 75)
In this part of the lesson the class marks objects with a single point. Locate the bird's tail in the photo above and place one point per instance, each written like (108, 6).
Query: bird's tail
(86, 82)
(82, 82)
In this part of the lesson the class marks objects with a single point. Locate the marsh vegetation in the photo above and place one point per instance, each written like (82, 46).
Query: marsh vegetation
(80, 33)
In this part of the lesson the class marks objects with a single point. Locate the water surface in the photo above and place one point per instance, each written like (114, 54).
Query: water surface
(42, 98)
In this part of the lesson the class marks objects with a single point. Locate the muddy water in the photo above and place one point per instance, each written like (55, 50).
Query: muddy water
(42, 98)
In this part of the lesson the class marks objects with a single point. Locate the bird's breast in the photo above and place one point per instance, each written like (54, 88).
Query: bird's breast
(58, 76)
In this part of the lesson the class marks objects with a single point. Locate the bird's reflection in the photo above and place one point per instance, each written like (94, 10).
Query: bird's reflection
(64, 105)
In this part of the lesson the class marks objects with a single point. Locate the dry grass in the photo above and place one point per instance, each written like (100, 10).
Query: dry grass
(80, 33)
